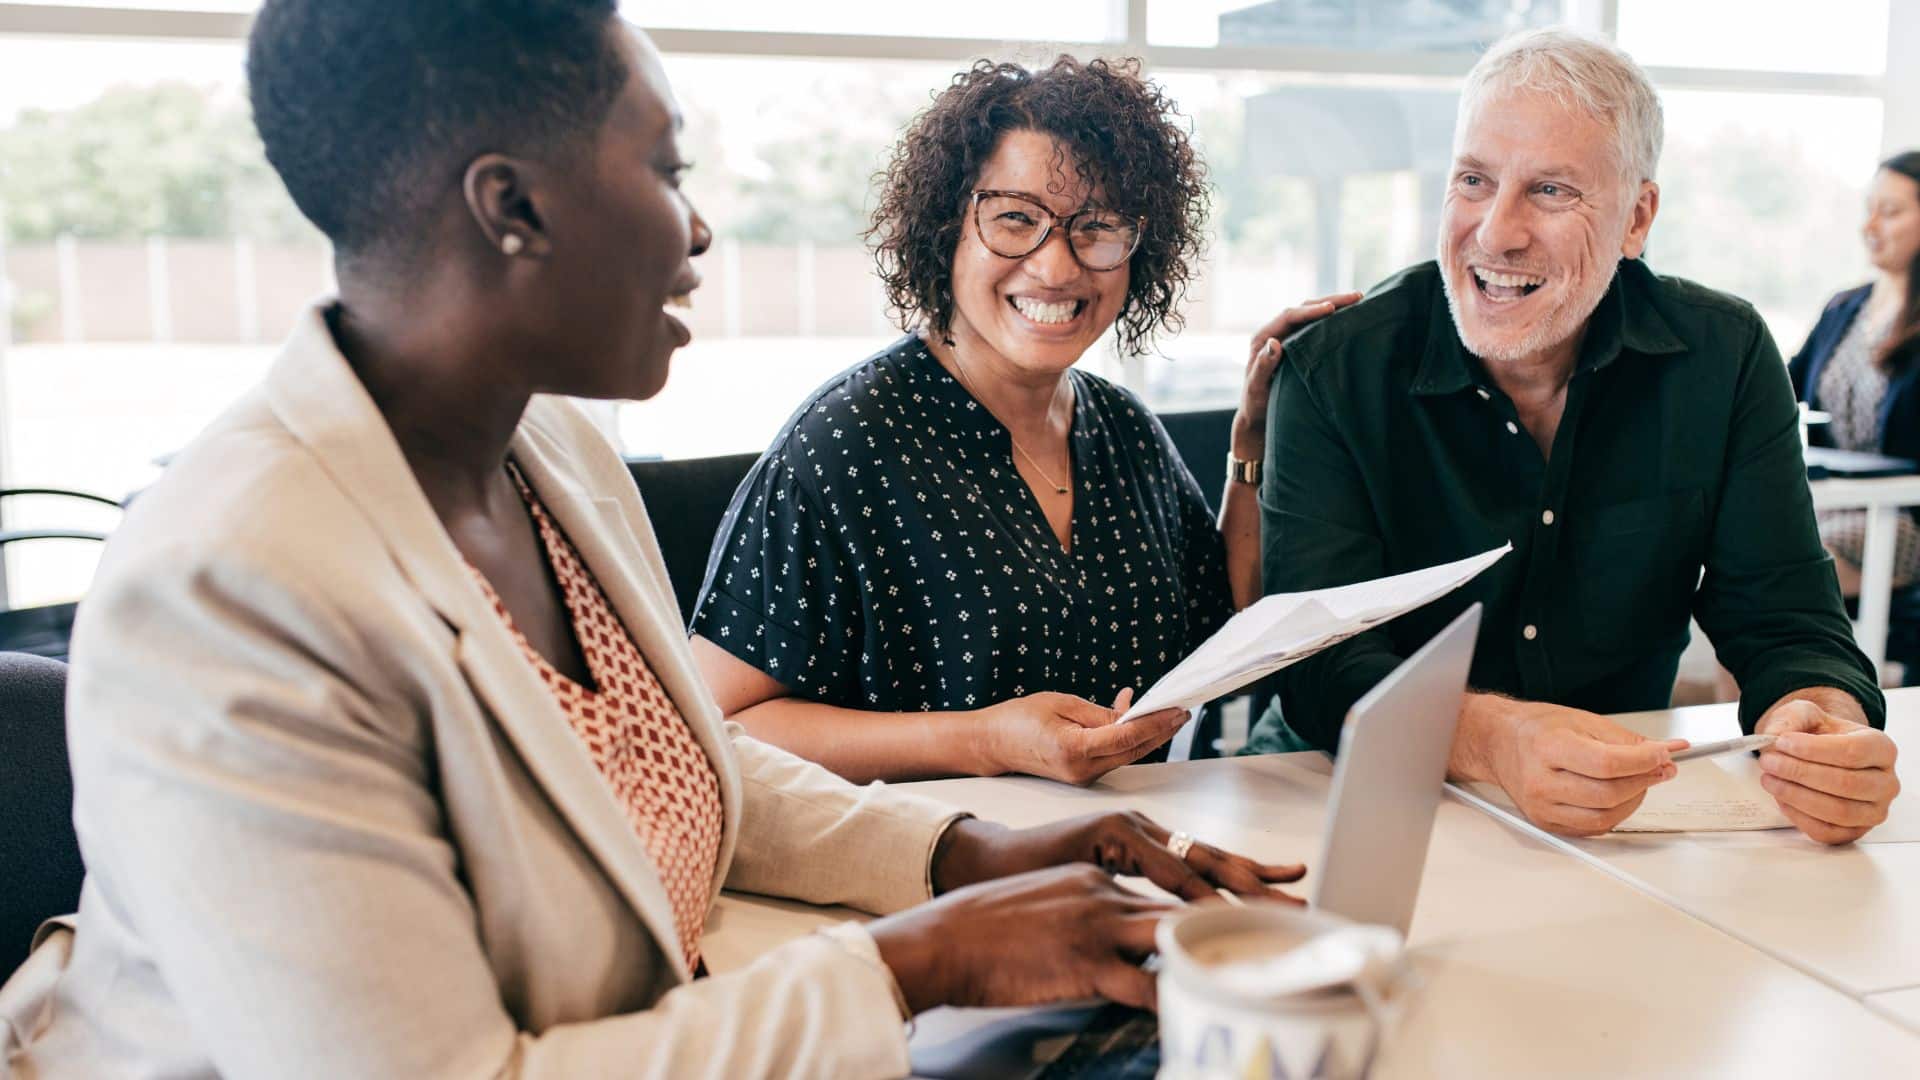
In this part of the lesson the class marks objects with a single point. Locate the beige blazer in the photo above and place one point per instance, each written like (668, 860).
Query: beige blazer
(335, 825)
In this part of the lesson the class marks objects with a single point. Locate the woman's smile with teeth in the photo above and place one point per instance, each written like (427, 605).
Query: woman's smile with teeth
(1059, 311)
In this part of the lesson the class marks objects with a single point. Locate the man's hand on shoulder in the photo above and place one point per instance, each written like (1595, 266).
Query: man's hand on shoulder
(1831, 774)
(1569, 771)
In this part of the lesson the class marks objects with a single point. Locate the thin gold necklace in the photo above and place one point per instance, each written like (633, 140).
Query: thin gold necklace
(1058, 487)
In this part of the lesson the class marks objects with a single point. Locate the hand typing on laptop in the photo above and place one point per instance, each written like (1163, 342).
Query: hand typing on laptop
(1030, 916)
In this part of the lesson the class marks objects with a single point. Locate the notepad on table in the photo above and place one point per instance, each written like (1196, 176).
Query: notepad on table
(1720, 794)
(1717, 794)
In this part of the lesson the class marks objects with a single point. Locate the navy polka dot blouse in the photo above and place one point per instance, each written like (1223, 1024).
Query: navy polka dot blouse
(884, 553)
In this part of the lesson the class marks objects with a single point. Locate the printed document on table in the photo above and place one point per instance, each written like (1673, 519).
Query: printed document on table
(1286, 628)
(1715, 794)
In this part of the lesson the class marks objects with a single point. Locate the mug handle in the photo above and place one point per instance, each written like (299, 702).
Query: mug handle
(1381, 1015)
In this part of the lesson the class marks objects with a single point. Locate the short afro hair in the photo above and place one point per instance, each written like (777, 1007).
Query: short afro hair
(369, 108)
(1118, 130)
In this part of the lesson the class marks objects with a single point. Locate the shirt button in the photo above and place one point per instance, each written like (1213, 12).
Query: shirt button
(1482, 391)
(1546, 518)
(1513, 428)
(1530, 632)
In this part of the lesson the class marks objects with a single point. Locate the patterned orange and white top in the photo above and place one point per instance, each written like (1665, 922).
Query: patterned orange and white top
(638, 740)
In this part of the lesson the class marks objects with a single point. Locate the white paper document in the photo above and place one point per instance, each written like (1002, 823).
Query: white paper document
(1717, 794)
(1289, 627)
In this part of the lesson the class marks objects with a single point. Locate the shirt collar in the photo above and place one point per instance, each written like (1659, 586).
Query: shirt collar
(1625, 321)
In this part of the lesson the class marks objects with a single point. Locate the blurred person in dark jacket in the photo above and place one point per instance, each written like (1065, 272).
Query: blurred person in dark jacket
(1858, 364)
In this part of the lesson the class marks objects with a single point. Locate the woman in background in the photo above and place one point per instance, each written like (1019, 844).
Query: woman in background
(958, 552)
(1859, 364)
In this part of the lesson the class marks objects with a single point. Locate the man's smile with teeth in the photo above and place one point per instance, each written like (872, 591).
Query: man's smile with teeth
(1043, 312)
(1504, 286)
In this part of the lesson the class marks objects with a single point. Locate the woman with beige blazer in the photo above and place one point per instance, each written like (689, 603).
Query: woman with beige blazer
(389, 755)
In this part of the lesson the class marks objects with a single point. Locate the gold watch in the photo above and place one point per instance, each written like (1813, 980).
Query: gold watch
(1246, 472)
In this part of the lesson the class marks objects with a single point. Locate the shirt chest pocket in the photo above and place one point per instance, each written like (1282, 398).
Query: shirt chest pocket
(1634, 568)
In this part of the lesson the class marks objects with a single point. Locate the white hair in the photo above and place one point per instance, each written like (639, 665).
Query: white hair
(1583, 73)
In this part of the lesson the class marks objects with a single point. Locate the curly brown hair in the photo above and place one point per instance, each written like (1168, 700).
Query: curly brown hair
(1119, 132)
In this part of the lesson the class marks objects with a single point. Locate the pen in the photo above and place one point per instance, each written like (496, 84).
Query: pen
(1725, 746)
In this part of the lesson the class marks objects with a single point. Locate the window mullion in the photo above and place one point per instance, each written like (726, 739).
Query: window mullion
(1900, 124)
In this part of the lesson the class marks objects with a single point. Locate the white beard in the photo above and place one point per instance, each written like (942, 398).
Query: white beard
(1558, 326)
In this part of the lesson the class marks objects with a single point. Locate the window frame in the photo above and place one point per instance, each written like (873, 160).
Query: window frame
(1602, 16)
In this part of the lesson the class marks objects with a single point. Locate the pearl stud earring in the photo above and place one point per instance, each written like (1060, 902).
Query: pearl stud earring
(512, 244)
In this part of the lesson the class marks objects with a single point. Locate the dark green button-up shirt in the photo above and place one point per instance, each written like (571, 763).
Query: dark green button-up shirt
(1675, 486)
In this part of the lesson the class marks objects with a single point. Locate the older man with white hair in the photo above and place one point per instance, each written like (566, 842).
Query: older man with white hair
(1633, 435)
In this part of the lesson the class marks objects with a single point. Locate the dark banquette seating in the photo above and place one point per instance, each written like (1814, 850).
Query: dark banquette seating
(686, 500)
(40, 868)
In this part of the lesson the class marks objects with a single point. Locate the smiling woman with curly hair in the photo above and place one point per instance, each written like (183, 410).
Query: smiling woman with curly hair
(1100, 116)
(959, 552)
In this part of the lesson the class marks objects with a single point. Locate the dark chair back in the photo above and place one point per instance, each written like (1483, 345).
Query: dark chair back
(42, 631)
(686, 500)
(39, 853)
(1202, 438)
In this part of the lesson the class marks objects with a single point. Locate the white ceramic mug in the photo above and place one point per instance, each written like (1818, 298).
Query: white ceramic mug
(1209, 1029)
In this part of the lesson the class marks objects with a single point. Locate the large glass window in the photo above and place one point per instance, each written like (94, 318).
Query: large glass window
(1347, 24)
(227, 6)
(151, 262)
(1762, 196)
(1325, 187)
(1835, 37)
(784, 154)
(1013, 20)
(1319, 186)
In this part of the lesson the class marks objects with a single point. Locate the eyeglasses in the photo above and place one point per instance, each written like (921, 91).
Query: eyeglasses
(1014, 226)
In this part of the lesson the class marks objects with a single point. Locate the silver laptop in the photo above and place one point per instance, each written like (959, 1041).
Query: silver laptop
(1388, 782)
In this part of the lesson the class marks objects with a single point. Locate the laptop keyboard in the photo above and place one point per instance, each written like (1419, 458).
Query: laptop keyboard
(1119, 1043)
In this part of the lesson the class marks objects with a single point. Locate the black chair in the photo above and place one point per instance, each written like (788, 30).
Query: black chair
(686, 500)
(45, 629)
(9, 536)
(39, 853)
(1202, 439)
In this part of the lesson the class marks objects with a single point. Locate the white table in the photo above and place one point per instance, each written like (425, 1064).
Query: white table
(1847, 916)
(1536, 963)
(1902, 1005)
(1883, 498)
